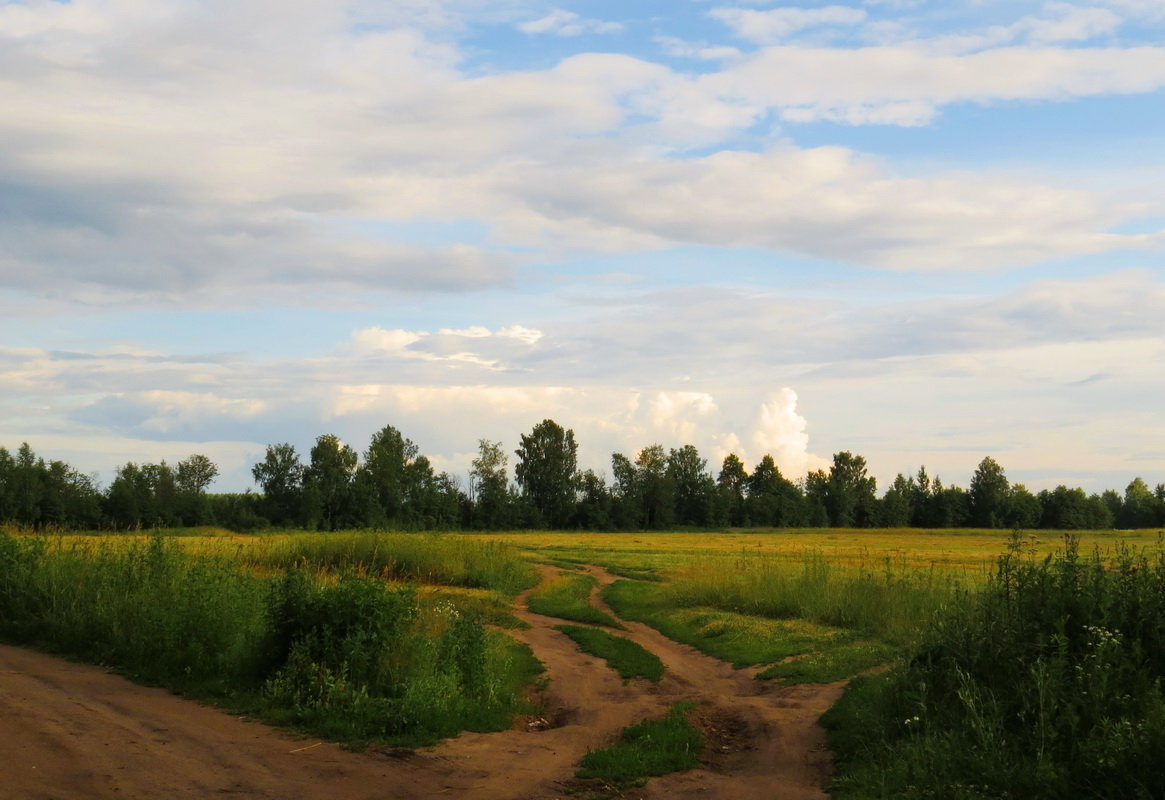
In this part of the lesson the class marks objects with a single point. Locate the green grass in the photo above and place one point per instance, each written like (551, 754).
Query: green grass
(832, 664)
(636, 573)
(568, 596)
(740, 639)
(624, 656)
(336, 654)
(647, 749)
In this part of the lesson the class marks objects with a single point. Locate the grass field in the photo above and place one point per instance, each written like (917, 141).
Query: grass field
(969, 553)
(1050, 650)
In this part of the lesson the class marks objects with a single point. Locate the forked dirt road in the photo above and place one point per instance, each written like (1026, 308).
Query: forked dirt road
(75, 732)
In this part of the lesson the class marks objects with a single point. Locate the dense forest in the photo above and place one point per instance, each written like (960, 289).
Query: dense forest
(394, 486)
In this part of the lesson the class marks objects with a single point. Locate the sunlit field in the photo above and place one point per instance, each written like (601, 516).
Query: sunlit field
(968, 552)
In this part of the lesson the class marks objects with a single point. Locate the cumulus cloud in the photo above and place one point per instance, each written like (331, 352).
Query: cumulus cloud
(781, 432)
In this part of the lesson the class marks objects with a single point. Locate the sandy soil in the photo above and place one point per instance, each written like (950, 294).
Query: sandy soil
(76, 732)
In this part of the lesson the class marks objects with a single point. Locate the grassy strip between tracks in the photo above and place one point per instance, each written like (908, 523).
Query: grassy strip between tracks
(624, 656)
(647, 749)
(568, 596)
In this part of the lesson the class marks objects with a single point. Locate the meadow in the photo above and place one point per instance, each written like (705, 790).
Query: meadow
(1047, 648)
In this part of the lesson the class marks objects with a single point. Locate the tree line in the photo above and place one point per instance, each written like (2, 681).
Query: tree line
(393, 486)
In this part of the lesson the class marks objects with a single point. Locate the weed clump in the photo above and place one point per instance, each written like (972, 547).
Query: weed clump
(1048, 684)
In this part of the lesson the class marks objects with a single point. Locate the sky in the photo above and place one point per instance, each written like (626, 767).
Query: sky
(924, 232)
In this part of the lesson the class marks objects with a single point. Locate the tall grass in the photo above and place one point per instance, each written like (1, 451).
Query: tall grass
(349, 658)
(137, 605)
(1048, 684)
(420, 558)
(887, 600)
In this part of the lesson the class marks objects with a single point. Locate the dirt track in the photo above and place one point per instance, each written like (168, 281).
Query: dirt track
(71, 731)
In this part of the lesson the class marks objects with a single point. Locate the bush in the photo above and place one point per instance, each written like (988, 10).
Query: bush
(1046, 685)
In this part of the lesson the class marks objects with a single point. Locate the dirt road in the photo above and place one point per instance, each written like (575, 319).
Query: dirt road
(75, 732)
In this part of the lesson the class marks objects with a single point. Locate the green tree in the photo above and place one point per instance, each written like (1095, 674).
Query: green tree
(1073, 509)
(389, 474)
(192, 477)
(656, 490)
(693, 489)
(816, 498)
(492, 500)
(772, 498)
(849, 495)
(280, 475)
(330, 475)
(195, 473)
(547, 471)
(990, 491)
(594, 509)
(950, 506)
(1141, 508)
(1023, 508)
(895, 509)
(142, 496)
(733, 481)
(625, 493)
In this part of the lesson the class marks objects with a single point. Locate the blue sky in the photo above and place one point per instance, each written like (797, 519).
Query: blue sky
(925, 232)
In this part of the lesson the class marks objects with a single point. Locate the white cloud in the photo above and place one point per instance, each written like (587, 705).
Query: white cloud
(169, 410)
(567, 23)
(778, 24)
(859, 85)
(680, 48)
(781, 432)
(827, 203)
(172, 156)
